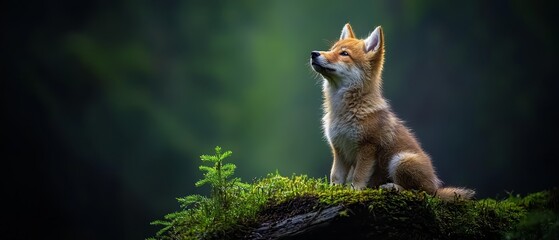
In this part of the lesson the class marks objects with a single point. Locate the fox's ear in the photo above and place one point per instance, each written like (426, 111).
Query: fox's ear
(347, 32)
(374, 41)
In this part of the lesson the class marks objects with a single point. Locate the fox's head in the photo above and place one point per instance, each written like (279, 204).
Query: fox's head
(352, 61)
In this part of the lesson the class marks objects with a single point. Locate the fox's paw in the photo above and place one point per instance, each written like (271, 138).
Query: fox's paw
(357, 186)
(334, 182)
(392, 187)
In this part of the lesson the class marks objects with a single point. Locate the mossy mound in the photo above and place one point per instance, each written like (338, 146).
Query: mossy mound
(299, 207)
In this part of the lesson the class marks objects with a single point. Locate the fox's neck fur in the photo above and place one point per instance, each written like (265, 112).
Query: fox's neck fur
(353, 99)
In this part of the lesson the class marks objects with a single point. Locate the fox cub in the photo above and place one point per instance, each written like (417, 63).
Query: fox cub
(370, 145)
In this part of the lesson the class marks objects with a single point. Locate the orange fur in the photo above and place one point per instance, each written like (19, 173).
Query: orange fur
(364, 134)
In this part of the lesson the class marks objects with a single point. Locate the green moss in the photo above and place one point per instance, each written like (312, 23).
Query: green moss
(384, 213)
(418, 211)
(542, 219)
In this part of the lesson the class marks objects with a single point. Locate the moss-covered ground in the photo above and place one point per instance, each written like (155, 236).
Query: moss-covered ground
(384, 214)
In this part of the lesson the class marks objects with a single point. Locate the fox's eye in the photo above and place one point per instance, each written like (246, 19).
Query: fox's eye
(344, 53)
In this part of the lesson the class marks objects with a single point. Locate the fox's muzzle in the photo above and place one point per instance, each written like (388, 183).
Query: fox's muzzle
(318, 65)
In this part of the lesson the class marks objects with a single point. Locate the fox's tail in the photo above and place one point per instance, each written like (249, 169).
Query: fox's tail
(453, 193)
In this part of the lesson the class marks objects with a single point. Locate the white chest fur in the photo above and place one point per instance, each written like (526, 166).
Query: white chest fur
(340, 126)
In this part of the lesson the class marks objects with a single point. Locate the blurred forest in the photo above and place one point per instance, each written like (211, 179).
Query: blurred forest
(107, 105)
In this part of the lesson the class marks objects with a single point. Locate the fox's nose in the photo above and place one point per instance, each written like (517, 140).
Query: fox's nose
(315, 54)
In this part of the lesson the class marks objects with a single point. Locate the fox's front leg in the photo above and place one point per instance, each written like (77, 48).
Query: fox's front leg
(340, 169)
(364, 167)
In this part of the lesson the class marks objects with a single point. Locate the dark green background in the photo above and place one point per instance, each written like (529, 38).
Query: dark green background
(107, 105)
